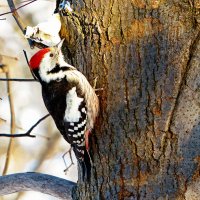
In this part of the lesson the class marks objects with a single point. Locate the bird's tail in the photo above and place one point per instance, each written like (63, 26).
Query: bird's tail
(84, 161)
(86, 165)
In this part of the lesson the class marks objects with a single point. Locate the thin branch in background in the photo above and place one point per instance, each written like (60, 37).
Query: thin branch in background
(2, 120)
(25, 1)
(12, 125)
(70, 156)
(40, 120)
(28, 133)
(12, 7)
(26, 57)
(2, 65)
(10, 57)
(18, 19)
(20, 22)
(16, 135)
(18, 79)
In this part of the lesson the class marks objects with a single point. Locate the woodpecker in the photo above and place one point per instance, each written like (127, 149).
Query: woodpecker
(69, 98)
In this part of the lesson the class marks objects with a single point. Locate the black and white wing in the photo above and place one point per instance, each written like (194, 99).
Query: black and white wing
(75, 121)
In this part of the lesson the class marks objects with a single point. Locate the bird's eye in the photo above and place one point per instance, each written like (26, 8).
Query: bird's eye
(51, 54)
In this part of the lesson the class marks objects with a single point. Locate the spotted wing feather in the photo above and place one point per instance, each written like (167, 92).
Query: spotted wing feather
(75, 123)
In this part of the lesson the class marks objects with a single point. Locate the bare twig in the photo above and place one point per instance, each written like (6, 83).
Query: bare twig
(2, 65)
(1, 119)
(26, 57)
(40, 120)
(44, 183)
(18, 19)
(70, 156)
(13, 9)
(10, 57)
(16, 135)
(31, 0)
(12, 125)
(28, 133)
(18, 79)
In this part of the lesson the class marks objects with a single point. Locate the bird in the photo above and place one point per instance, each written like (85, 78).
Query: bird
(70, 100)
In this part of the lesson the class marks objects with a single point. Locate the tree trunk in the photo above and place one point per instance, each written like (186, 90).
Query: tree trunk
(145, 53)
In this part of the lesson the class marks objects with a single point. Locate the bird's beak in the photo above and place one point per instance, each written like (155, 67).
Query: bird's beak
(59, 45)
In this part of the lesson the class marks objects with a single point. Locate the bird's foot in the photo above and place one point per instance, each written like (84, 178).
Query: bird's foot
(95, 84)
(70, 155)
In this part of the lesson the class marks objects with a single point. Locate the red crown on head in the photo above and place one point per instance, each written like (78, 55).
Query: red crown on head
(36, 58)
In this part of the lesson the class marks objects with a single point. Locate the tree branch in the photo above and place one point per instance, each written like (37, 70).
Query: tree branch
(13, 9)
(26, 57)
(10, 57)
(16, 15)
(12, 124)
(16, 135)
(18, 79)
(28, 133)
(40, 120)
(18, 19)
(43, 183)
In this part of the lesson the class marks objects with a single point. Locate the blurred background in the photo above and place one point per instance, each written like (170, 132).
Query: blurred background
(43, 153)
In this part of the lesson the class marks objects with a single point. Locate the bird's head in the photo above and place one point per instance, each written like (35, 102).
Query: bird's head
(46, 58)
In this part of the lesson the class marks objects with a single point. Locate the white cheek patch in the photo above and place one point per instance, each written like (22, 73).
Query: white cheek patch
(72, 114)
(47, 65)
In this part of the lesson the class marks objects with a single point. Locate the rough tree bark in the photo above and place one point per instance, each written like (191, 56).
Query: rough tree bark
(145, 54)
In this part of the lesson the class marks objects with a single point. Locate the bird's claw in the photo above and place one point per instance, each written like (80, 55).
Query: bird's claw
(70, 155)
(95, 84)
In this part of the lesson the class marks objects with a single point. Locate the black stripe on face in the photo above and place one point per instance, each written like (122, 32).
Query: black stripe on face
(58, 68)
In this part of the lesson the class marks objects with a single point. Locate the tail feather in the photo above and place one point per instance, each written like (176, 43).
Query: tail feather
(84, 161)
